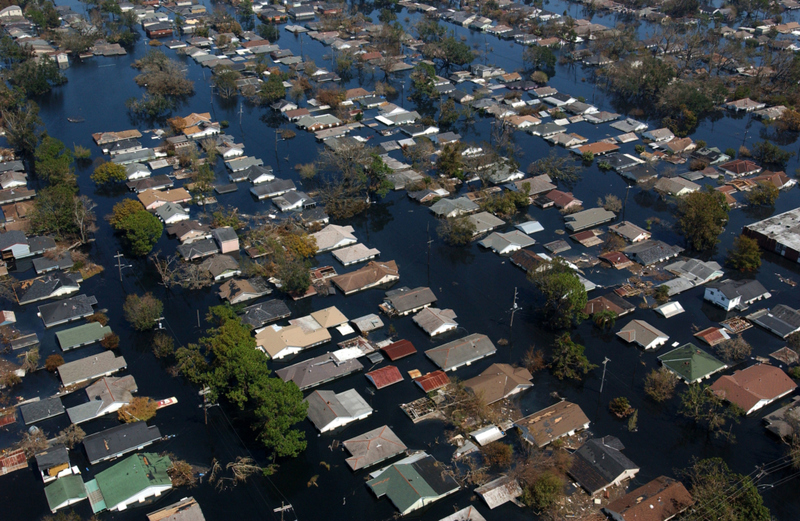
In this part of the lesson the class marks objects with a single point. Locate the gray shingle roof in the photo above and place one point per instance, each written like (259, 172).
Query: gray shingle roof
(41, 410)
(66, 310)
(116, 441)
(265, 312)
(453, 355)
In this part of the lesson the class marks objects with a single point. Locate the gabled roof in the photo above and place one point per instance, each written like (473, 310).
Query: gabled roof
(64, 491)
(432, 381)
(82, 335)
(747, 387)
(131, 476)
(318, 370)
(659, 500)
(90, 367)
(186, 509)
(691, 363)
(551, 423)
(369, 275)
(325, 407)
(599, 462)
(329, 317)
(746, 289)
(404, 299)
(642, 333)
(41, 410)
(385, 376)
(499, 381)
(373, 447)
(409, 486)
(432, 319)
(399, 349)
(463, 351)
(265, 312)
(118, 440)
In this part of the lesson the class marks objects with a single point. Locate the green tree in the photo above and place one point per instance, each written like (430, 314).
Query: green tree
(225, 81)
(450, 162)
(109, 172)
(708, 410)
(140, 231)
(456, 231)
(423, 90)
(162, 76)
(448, 114)
(763, 194)
(36, 76)
(772, 154)
(721, 494)
(605, 319)
(702, 217)
(294, 276)
(53, 162)
(538, 57)
(565, 296)
(21, 122)
(659, 384)
(53, 211)
(271, 90)
(269, 32)
(745, 254)
(569, 360)
(122, 210)
(545, 491)
(142, 312)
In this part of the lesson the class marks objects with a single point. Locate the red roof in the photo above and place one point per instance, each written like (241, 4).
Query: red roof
(399, 349)
(712, 335)
(385, 376)
(432, 381)
(616, 259)
(740, 166)
(746, 388)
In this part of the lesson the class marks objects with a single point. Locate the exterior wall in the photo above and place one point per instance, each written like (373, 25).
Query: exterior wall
(153, 491)
(716, 297)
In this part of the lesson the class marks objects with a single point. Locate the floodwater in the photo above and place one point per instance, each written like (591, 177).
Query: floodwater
(477, 284)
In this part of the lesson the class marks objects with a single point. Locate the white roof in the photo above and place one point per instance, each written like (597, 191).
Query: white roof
(670, 309)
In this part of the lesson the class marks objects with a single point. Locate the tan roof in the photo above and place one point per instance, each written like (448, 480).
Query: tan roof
(235, 287)
(544, 426)
(273, 342)
(499, 381)
(747, 387)
(110, 137)
(661, 499)
(370, 274)
(329, 317)
(372, 447)
(196, 118)
(176, 195)
(598, 148)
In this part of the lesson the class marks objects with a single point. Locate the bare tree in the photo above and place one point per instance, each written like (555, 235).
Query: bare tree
(84, 216)
(166, 268)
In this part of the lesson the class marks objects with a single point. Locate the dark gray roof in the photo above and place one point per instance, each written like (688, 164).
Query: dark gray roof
(265, 312)
(453, 355)
(273, 187)
(12, 166)
(619, 161)
(599, 462)
(747, 289)
(316, 371)
(94, 366)
(640, 173)
(60, 262)
(11, 238)
(41, 244)
(43, 287)
(254, 172)
(651, 251)
(52, 457)
(41, 410)
(405, 299)
(66, 310)
(116, 441)
(219, 264)
(224, 234)
(198, 249)
(124, 144)
(155, 182)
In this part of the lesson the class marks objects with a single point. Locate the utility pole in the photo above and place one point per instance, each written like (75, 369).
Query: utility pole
(514, 308)
(240, 113)
(430, 241)
(603, 381)
(119, 258)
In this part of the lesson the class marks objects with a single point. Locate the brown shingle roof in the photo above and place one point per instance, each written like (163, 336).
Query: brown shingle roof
(661, 499)
(499, 381)
(372, 273)
(553, 422)
(747, 387)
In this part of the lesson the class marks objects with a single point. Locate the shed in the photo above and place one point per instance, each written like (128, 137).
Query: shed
(432, 381)
(499, 491)
(461, 352)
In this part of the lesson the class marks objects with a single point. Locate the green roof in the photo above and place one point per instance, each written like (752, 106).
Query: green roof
(396, 483)
(82, 335)
(63, 490)
(691, 363)
(131, 476)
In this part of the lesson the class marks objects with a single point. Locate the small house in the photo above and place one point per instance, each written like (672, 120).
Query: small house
(735, 294)
(643, 334)
(691, 364)
(436, 321)
(754, 387)
(328, 410)
(171, 213)
(373, 447)
(399, 349)
(131, 481)
(499, 491)
(48, 286)
(372, 275)
(461, 352)
(505, 243)
(226, 239)
(117, 441)
(65, 491)
(334, 236)
(354, 254)
(485, 222)
(740, 168)
(237, 291)
(384, 376)
(106, 396)
(661, 499)
(404, 301)
(67, 310)
(780, 320)
(551, 423)
(599, 464)
(102, 364)
(650, 252)
(498, 382)
(258, 315)
(319, 370)
(590, 218)
(83, 335)
(430, 484)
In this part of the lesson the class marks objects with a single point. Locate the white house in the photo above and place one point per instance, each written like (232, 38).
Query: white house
(730, 294)
(334, 236)
(642, 333)
(328, 410)
(11, 11)
(137, 171)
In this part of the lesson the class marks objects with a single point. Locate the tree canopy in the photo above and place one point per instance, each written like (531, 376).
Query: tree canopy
(53, 161)
(745, 255)
(109, 172)
(721, 494)
(702, 218)
(568, 359)
(139, 228)
(565, 296)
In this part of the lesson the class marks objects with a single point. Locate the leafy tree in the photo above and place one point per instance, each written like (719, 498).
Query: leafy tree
(122, 210)
(569, 360)
(53, 162)
(457, 231)
(448, 114)
(110, 341)
(142, 312)
(71, 436)
(538, 57)
(299, 246)
(109, 172)
(163, 345)
(702, 218)
(423, 90)
(721, 494)
(52, 362)
(271, 90)
(546, 491)
(235, 370)
(659, 384)
(565, 296)
(769, 153)
(709, 410)
(448, 51)
(141, 408)
(294, 276)
(620, 407)
(661, 294)
(21, 123)
(763, 194)
(225, 81)
(498, 455)
(53, 211)
(36, 76)
(269, 32)
(605, 319)
(140, 231)
(734, 349)
(162, 76)
(155, 106)
(558, 168)
(745, 254)
(450, 162)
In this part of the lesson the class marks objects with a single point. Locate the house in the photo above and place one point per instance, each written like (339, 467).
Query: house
(328, 410)
(152, 199)
(384, 376)
(256, 174)
(777, 179)
(504, 243)
(130, 481)
(272, 188)
(563, 200)
(745, 105)
(137, 171)
(616, 259)
(242, 164)
(279, 342)
(354, 254)
(779, 234)
(691, 364)
(171, 213)
(158, 182)
(530, 227)
(675, 186)
(293, 200)
(197, 249)
(53, 463)
(629, 231)
(334, 236)
(106, 396)
(461, 352)
(484, 222)
(117, 441)
(104, 363)
(221, 267)
(658, 135)
(629, 125)
(658, 500)
(237, 291)
(82, 335)
(446, 208)
(372, 447)
(66, 490)
(62, 261)
(650, 252)
(735, 294)
(372, 275)
(784, 421)
(436, 321)
(610, 302)
(226, 239)
(404, 301)
(588, 219)
(669, 310)
(596, 149)
(40, 410)
(600, 464)
(258, 315)
(781, 320)
(498, 382)
(499, 491)
(68, 310)
(547, 129)
(12, 11)
(754, 387)
(644, 334)
(319, 370)
(740, 168)
(432, 381)
(48, 286)
(186, 509)
(551, 423)
(430, 484)
(399, 349)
